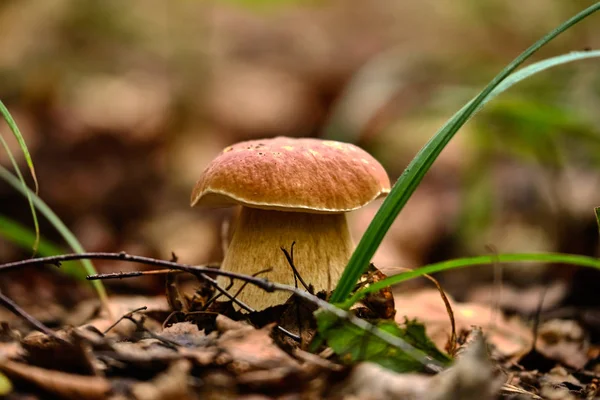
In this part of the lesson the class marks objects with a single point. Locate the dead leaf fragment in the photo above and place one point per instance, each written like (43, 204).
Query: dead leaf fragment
(509, 336)
(470, 378)
(279, 379)
(225, 324)
(64, 385)
(119, 305)
(564, 341)
(370, 381)
(70, 354)
(171, 384)
(253, 349)
(559, 384)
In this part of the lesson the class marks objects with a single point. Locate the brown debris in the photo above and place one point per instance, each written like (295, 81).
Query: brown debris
(510, 336)
(64, 385)
(360, 384)
(253, 349)
(171, 384)
(564, 341)
(471, 377)
(68, 353)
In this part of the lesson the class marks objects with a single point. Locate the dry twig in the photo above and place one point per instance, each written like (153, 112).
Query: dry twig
(15, 309)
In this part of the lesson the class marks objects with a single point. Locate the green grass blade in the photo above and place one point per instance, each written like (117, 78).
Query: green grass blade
(418, 167)
(597, 211)
(572, 259)
(15, 130)
(533, 69)
(22, 236)
(36, 225)
(60, 227)
(17, 133)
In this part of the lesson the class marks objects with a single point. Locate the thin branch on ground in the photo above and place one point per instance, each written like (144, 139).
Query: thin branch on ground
(216, 297)
(244, 305)
(538, 317)
(428, 362)
(122, 256)
(290, 259)
(129, 314)
(139, 324)
(18, 311)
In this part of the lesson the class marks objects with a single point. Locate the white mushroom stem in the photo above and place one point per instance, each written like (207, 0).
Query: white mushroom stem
(322, 250)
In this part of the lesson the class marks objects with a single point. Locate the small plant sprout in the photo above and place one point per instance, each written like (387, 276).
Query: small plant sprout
(290, 190)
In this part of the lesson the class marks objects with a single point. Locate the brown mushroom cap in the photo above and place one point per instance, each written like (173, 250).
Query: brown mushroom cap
(287, 174)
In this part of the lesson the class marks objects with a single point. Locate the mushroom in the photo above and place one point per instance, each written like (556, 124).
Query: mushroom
(290, 190)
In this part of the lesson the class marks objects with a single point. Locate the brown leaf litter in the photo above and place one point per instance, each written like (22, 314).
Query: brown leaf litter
(235, 360)
(208, 355)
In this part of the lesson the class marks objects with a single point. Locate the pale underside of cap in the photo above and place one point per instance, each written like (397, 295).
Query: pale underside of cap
(287, 174)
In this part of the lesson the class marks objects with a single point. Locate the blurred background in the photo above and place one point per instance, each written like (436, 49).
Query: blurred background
(123, 104)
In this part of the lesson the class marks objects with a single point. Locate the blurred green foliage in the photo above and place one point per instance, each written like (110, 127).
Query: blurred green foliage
(265, 5)
(23, 237)
(5, 385)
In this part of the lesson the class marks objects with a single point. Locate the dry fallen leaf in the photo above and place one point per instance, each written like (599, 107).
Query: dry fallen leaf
(171, 384)
(470, 378)
(370, 381)
(64, 385)
(69, 354)
(524, 300)
(558, 384)
(119, 306)
(509, 336)
(564, 341)
(195, 344)
(252, 349)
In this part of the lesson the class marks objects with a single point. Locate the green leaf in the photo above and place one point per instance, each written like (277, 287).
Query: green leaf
(23, 237)
(60, 227)
(557, 258)
(354, 344)
(597, 211)
(5, 385)
(418, 167)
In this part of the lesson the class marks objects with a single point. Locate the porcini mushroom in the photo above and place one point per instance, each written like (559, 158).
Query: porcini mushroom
(290, 190)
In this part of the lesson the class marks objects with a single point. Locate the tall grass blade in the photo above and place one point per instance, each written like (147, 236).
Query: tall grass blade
(533, 69)
(418, 167)
(572, 259)
(60, 227)
(15, 130)
(36, 225)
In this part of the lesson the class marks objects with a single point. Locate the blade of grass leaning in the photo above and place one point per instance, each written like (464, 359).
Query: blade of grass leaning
(22, 236)
(572, 259)
(36, 225)
(597, 211)
(531, 70)
(418, 167)
(15, 130)
(60, 227)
